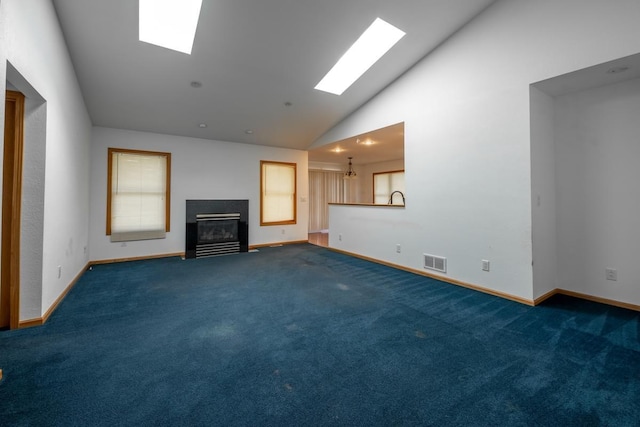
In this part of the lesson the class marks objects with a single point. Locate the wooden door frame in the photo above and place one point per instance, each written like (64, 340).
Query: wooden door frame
(11, 205)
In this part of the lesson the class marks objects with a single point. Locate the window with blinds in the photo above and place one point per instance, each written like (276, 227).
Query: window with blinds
(138, 196)
(277, 193)
(385, 183)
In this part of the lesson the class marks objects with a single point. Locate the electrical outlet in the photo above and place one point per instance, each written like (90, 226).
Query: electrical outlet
(398, 248)
(283, 231)
(485, 265)
(611, 274)
(340, 237)
(59, 271)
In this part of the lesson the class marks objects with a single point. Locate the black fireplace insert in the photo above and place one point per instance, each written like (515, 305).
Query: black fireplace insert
(216, 227)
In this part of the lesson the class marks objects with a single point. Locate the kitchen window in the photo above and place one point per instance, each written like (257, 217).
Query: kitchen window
(384, 185)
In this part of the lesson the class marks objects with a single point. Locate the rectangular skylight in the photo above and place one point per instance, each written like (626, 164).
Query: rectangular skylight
(169, 23)
(370, 46)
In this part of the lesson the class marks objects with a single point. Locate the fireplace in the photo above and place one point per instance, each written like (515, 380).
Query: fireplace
(217, 234)
(216, 227)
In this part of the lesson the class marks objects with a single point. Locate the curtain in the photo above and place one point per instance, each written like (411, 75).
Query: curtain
(324, 187)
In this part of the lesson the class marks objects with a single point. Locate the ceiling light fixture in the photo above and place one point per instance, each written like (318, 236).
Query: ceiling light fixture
(202, 125)
(370, 46)
(169, 23)
(248, 131)
(350, 173)
(365, 142)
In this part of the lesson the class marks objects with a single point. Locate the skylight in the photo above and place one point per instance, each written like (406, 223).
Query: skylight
(169, 23)
(370, 46)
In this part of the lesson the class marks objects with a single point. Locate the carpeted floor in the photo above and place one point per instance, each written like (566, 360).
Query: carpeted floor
(301, 336)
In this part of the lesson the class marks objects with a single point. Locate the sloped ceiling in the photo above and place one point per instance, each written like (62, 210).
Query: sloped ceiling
(257, 61)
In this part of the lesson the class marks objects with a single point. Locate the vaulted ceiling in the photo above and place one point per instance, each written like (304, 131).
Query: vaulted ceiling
(257, 62)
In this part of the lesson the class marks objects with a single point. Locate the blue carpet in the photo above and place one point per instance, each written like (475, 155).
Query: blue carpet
(300, 335)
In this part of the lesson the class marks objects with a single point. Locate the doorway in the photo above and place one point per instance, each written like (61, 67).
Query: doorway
(11, 206)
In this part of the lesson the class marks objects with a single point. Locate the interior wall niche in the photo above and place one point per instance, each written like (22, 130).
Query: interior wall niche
(33, 188)
(585, 171)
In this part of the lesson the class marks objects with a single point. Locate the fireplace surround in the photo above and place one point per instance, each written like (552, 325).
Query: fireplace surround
(216, 227)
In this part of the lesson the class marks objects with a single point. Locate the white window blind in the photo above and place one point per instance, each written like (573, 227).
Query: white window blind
(278, 193)
(386, 183)
(138, 208)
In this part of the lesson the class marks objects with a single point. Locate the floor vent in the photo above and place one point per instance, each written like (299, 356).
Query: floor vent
(436, 263)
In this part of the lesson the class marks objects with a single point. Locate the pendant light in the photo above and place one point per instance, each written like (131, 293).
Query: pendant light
(350, 173)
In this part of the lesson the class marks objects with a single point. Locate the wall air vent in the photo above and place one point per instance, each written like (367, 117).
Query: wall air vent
(436, 263)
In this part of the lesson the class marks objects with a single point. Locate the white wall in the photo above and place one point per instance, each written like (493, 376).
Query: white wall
(32, 42)
(598, 158)
(201, 169)
(33, 196)
(467, 137)
(543, 193)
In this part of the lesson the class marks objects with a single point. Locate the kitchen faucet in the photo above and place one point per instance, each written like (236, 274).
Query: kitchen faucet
(391, 197)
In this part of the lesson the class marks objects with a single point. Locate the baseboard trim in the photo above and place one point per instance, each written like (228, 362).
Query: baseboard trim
(30, 323)
(267, 245)
(545, 297)
(600, 300)
(441, 278)
(39, 321)
(138, 258)
(504, 295)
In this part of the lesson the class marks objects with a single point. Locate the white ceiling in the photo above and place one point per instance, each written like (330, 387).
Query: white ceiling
(251, 56)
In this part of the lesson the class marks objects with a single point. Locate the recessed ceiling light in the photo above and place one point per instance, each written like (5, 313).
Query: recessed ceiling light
(337, 150)
(365, 142)
(370, 46)
(248, 131)
(169, 23)
(202, 125)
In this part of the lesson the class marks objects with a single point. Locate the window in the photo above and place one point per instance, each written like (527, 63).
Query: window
(277, 193)
(384, 184)
(138, 194)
